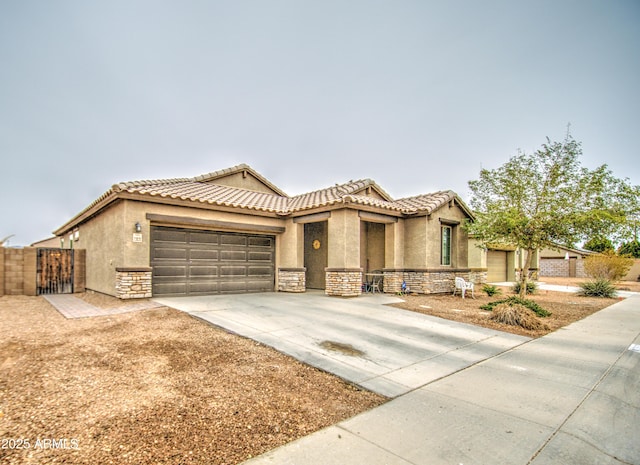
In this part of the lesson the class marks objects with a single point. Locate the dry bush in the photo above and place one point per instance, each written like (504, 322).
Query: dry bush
(607, 266)
(517, 315)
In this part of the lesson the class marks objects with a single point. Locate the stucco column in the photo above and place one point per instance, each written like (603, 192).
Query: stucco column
(290, 258)
(343, 273)
(344, 239)
(393, 256)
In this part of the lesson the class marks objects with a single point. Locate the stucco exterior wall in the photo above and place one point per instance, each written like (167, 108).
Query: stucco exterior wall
(634, 272)
(477, 255)
(423, 240)
(290, 245)
(394, 237)
(109, 237)
(415, 241)
(343, 239)
(102, 238)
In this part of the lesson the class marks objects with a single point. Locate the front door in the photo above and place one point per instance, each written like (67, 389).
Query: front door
(315, 254)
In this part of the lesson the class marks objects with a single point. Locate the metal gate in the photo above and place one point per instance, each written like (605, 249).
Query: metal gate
(54, 271)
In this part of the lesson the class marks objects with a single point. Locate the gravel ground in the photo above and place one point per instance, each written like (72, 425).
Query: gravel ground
(151, 387)
(565, 307)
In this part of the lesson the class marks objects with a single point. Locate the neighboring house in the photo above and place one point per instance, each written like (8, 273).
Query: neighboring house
(51, 242)
(563, 261)
(502, 263)
(234, 231)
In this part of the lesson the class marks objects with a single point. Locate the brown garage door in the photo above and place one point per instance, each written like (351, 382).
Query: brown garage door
(193, 262)
(496, 266)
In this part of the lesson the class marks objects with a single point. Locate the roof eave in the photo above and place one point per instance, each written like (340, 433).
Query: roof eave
(100, 204)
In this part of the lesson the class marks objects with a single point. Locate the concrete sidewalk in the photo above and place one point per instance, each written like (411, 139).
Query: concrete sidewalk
(561, 288)
(71, 306)
(571, 397)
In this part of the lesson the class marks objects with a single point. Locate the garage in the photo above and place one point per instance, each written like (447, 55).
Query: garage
(199, 262)
(496, 266)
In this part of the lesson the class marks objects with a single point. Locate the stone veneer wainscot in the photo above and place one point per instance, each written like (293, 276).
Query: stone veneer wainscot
(133, 283)
(292, 279)
(344, 282)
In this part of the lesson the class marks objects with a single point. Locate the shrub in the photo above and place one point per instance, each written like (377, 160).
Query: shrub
(491, 290)
(597, 288)
(530, 304)
(517, 315)
(607, 266)
(531, 287)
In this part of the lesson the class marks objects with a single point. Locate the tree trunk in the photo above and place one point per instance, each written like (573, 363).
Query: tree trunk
(524, 274)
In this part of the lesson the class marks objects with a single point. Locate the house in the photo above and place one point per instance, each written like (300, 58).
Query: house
(233, 231)
(503, 263)
(561, 261)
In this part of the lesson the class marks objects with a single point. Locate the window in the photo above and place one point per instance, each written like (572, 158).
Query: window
(446, 245)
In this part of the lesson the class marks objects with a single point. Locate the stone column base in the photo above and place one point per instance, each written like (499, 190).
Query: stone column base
(343, 282)
(292, 280)
(133, 283)
(393, 281)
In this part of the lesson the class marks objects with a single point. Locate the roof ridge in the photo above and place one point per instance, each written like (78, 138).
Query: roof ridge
(148, 182)
(429, 194)
(212, 176)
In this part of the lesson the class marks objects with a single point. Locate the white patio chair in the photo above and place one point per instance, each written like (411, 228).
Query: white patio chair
(463, 286)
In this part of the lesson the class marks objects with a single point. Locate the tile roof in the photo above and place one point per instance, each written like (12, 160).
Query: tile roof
(203, 189)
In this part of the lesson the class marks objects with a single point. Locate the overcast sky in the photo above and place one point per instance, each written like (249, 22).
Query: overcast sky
(417, 95)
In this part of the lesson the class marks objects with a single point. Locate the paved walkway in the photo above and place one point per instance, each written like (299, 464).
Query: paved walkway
(383, 349)
(71, 306)
(560, 288)
(571, 397)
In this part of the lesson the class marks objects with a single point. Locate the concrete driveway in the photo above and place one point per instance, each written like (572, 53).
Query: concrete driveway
(383, 349)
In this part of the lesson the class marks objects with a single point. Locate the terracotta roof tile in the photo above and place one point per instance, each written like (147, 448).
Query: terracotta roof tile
(203, 189)
(200, 189)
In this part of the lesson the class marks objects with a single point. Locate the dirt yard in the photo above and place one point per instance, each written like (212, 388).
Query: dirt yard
(565, 307)
(159, 387)
(151, 387)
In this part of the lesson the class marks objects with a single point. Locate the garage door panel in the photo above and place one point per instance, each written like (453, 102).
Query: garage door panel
(233, 240)
(260, 256)
(260, 242)
(264, 271)
(232, 287)
(233, 271)
(203, 271)
(204, 237)
(173, 271)
(496, 266)
(203, 287)
(233, 256)
(169, 235)
(195, 262)
(170, 253)
(170, 288)
(203, 254)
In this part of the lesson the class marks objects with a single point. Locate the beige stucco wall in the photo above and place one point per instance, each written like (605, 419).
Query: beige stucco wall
(290, 245)
(634, 272)
(415, 240)
(477, 255)
(102, 238)
(423, 239)
(343, 239)
(394, 237)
